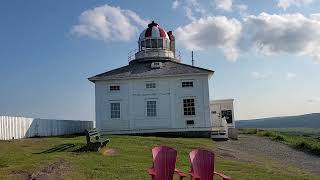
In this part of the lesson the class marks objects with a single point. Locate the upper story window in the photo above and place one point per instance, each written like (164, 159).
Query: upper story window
(150, 85)
(115, 110)
(187, 84)
(115, 88)
(189, 107)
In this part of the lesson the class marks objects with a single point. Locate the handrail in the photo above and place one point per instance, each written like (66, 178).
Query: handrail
(132, 53)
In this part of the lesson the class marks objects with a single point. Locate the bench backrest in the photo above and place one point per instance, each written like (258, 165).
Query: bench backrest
(92, 135)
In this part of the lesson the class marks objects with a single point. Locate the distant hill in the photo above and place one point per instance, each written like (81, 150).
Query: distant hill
(306, 121)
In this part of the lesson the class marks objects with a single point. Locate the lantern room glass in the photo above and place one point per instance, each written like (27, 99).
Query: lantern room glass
(150, 43)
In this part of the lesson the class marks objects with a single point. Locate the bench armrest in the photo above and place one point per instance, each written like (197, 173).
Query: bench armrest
(152, 172)
(194, 176)
(180, 173)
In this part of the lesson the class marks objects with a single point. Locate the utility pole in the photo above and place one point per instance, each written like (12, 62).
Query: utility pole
(192, 61)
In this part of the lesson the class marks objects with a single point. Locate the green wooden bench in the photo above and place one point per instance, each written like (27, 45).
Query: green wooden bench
(94, 140)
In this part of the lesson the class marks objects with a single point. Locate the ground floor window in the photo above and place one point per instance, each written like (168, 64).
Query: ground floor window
(151, 108)
(188, 107)
(115, 110)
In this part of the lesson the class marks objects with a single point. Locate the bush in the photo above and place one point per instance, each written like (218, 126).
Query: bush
(249, 131)
(266, 133)
(278, 138)
(308, 146)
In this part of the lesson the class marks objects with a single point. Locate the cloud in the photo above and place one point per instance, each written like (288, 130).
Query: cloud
(193, 9)
(260, 76)
(225, 5)
(314, 100)
(242, 8)
(210, 32)
(108, 23)
(290, 75)
(175, 4)
(286, 33)
(284, 4)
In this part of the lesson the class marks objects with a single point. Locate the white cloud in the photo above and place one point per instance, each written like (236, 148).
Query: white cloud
(193, 9)
(242, 8)
(290, 75)
(225, 5)
(314, 100)
(260, 76)
(286, 33)
(284, 4)
(108, 23)
(175, 4)
(212, 31)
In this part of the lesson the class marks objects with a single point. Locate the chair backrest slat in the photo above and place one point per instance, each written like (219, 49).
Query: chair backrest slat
(202, 163)
(164, 162)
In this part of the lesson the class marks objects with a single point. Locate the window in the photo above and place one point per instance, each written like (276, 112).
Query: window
(154, 43)
(188, 107)
(160, 43)
(151, 108)
(148, 43)
(150, 85)
(190, 122)
(187, 84)
(115, 110)
(114, 88)
(228, 115)
(143, 45)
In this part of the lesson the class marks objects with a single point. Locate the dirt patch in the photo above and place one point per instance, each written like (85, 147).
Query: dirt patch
(54, 171)
(109, 152)
(257, 149)
(17, 175)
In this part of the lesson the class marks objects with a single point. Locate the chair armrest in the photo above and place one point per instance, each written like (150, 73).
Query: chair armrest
(181, 174)
(193, 175)
(152, 172)
(224, 177)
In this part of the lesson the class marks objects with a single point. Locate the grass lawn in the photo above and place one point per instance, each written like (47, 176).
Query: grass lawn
(131, 159)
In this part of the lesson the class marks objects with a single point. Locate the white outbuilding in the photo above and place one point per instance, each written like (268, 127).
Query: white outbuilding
(155, 92)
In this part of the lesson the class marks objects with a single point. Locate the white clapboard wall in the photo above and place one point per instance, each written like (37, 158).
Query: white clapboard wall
(21, 127)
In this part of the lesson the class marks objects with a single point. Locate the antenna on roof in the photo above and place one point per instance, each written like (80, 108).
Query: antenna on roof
(192, 61)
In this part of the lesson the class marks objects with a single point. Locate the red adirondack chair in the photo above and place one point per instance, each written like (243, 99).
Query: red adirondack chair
(202, 165)
(164, 164)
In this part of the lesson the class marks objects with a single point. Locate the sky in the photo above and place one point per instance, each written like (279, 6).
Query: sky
(265, 54)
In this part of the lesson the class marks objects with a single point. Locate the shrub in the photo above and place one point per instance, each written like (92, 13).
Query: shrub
(249, 131)
(278, 138)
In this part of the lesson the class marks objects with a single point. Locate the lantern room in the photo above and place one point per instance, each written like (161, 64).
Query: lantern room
(155, 42)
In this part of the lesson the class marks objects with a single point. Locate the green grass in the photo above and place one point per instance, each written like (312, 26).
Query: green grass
(131, 161)
(303, 140)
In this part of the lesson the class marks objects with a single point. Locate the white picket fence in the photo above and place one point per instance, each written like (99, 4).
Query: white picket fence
(21, 127)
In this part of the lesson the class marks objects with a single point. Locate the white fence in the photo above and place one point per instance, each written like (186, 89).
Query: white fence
(21, 127)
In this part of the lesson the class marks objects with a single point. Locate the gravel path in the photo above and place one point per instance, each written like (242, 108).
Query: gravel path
(247, 148)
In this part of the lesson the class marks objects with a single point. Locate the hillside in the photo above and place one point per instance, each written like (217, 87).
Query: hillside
(302, 121)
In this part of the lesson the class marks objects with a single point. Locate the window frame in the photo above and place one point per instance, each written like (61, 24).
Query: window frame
(114, 110)
(151, 109)
(150, 85)
(114, 88)
(189, 108)
(187, 83)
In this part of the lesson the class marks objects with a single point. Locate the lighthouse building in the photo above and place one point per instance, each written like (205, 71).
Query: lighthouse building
(155, 92)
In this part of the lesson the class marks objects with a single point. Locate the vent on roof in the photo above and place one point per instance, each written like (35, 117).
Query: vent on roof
(156, 65)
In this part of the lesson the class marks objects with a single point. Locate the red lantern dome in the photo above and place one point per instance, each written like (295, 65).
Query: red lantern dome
(153, 31)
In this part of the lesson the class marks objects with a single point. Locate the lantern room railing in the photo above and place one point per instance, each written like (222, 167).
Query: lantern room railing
(132, 54)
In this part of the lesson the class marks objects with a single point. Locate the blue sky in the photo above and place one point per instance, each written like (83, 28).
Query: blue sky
(268, 62)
